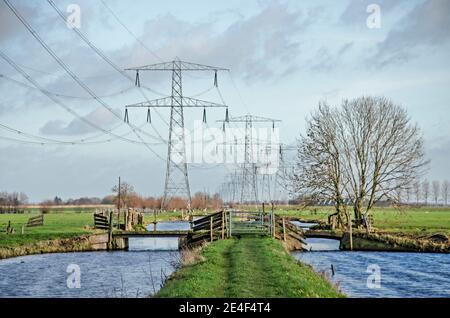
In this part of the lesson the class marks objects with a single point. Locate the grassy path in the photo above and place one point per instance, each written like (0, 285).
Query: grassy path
(248, 268)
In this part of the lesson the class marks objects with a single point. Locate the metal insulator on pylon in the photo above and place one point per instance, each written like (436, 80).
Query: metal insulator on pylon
(149, 116)
(126, 119)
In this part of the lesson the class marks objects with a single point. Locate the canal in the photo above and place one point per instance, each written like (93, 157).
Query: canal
(139, 272)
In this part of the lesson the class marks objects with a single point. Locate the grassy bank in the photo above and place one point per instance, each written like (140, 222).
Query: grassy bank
(61, 223)
(79, 243)
(250, 267)
(56, 226)
(409, 220)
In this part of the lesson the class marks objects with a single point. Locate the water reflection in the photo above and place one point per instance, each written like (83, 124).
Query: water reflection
(170, 226)
(102, 274)
(320, 244)
(153, 243)
(304, 225)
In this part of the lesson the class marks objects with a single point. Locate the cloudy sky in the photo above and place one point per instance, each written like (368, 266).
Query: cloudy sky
(284, 57)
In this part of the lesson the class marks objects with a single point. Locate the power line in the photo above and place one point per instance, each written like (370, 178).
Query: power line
(121, 92)
(53, 74)
(130, 32)
(59, 103)
(70, 72)
(177, 181)
(52, 141)
(249, 188)
(107, 60)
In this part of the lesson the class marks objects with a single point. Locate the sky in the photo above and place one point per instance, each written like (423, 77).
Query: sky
(283, 56)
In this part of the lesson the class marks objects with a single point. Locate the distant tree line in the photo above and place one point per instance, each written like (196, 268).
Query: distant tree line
(129, 198)
(12, 199)
(424, 192)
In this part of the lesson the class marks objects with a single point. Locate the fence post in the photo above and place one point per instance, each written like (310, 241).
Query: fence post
(273, 221)
(284, 230)
(211, 228)
(110, 228)
(230, 222)
(351, 234)
(223, 225)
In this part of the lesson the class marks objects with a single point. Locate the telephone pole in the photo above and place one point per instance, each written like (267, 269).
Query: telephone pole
(177, 180)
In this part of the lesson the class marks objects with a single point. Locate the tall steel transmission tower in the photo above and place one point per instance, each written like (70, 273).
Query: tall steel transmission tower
(248, 180)
(177, 180)
(283, 172)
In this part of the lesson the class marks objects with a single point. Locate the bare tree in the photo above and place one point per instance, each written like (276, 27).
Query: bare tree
(436, 188)
(426, 190)
(409, 193)
(416, 190)
(383, 151)
(23, 198)
(366, 151)
(126, 191)
(445, 191)
(317, 173)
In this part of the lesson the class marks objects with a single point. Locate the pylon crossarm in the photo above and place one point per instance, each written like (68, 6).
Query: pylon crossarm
(254, 119)
(193, 102)
(177, 65)
(167, 102)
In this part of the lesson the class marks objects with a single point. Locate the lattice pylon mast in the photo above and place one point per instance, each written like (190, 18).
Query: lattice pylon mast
(266, 194)
(177, 178)
(280, 184)
(249, 186)
(249, 180)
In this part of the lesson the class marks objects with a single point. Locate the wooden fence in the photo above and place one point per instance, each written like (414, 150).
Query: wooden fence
(101, 221)
(208, 228)
(284, 230)
(238, 223)
(127, 219)
(35, 221)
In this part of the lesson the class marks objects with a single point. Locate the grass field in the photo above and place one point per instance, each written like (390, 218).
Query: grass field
(247, 268)
(69, 222)
(56, 225)
(409, 220)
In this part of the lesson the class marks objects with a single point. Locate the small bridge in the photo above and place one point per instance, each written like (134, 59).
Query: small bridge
(233, 223)
(222, 225)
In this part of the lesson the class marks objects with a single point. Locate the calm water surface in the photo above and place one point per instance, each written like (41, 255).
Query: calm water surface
(405, 275)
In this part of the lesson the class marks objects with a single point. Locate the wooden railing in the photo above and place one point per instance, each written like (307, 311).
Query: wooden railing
(225, 224)
(285, 230)
(35, 221)
(101, 221)
(208, 228)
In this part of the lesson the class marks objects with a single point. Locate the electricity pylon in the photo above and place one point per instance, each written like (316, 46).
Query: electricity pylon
(266, 179)
(248, 182)
(177, 180)
(281, 177)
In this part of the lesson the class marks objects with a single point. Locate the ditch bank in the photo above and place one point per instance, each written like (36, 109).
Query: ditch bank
(436, 243)
(382, 241)
(83, 243)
